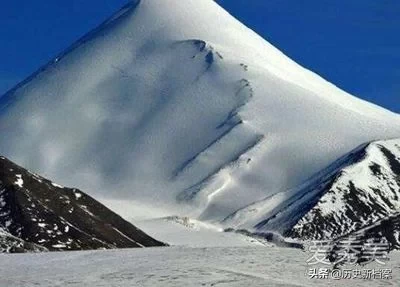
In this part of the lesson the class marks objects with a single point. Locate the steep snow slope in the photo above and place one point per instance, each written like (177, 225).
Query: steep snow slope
(177, 105)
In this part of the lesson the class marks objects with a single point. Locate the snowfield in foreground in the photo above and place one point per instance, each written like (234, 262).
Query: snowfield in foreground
(174, 266)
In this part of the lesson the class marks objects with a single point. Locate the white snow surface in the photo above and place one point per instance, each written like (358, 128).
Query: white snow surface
(175, 266)
(57, 185)
(177, 105)
(186, 232)
(19, 181)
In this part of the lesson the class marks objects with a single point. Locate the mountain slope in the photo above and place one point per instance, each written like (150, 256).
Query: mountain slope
(12, 244)
(177, 105)
(360, 195)
(386, 229)
(354, 193)
(37, 214)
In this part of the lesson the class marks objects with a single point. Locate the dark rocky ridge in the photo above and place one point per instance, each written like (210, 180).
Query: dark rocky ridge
(386, 229)
(37, 215)
(12, 244)
(367, 244)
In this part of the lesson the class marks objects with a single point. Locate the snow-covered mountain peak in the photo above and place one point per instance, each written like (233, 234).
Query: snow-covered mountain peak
(178, 105)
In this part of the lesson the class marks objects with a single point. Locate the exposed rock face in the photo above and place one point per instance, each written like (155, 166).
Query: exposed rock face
(12, 244)
(364, 192)
(37, 214)
(357, 194)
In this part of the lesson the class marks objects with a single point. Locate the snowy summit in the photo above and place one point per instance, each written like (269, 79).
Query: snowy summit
(178, 106)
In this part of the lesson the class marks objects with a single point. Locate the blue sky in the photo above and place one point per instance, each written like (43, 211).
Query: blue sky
(354, 44)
